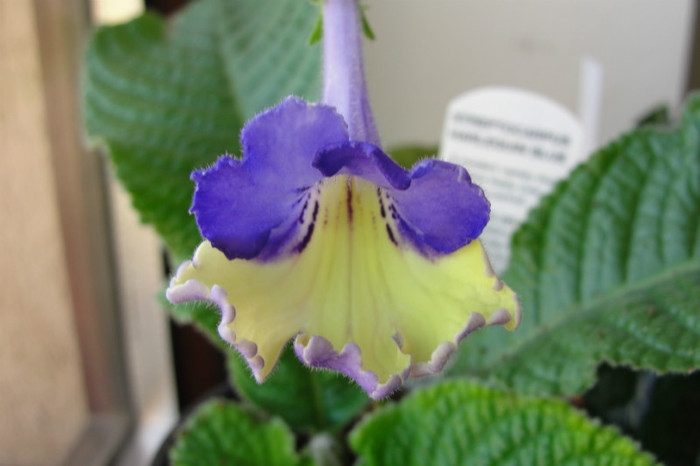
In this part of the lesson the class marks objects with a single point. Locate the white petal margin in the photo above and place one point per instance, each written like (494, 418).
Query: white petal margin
(192, 290)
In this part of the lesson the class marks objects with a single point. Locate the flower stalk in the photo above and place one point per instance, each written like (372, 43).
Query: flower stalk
(344, 85)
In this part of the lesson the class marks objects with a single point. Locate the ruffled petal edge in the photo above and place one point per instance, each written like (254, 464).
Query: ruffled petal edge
(316, 351)
(442, 353)
(194, 290)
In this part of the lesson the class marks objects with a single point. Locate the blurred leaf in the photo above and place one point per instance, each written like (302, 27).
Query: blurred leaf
(308, 399)
(222, 433)
(607, 269)
(166, 99)
(657, 116)
(408, 155)
(366, 27)
(462, 423)
(317, 33)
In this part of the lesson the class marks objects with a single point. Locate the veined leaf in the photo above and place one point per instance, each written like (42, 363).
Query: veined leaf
(607, 269)
(220, 433)
(462, 423)
(166, 100)
(652, 326)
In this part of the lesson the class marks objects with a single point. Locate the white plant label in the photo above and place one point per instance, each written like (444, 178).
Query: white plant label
(516, 145)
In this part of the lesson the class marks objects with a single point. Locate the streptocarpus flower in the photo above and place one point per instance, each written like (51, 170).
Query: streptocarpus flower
(316, 234)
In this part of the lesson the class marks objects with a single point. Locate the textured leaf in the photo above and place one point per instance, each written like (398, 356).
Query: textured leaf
(652, 326)
(166, 101)
(308, 399)
(222, 433)
(460, 423)
(607, 269)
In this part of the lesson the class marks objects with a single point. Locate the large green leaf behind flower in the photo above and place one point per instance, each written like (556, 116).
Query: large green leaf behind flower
(164, 99)
(461, 423)
(607, 269)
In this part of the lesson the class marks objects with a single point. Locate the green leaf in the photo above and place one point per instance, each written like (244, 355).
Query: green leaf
(317, 33)
(264, 44)
(308, 399)
(657, 116)
(461, 423)
(649, 326)
(607, 269)
(222, 433)
(408, 155)
(167, 99)
(366, 27)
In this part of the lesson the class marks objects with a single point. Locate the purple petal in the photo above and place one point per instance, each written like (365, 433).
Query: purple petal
(364, 160)
(279, 144)
(250, 208)
(442, 209)
(435, 205)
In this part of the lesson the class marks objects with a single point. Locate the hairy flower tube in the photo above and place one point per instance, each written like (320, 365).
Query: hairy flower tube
(316, 234)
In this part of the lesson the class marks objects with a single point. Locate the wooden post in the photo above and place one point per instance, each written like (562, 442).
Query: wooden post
(84, 349)
(50, 292)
